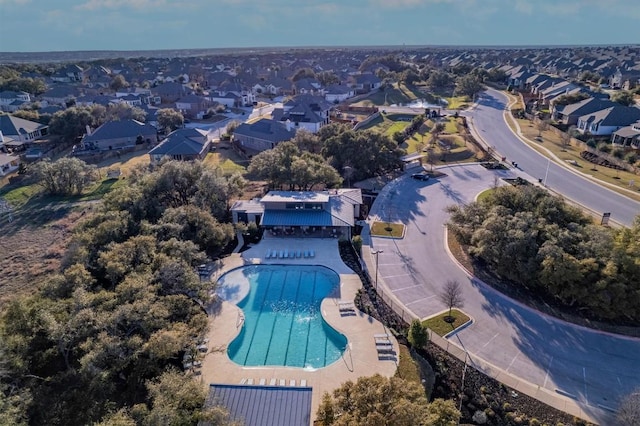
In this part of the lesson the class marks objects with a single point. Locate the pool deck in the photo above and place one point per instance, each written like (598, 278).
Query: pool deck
(360, 359)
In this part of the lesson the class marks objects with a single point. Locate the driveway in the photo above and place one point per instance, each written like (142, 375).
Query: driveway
(593, 368)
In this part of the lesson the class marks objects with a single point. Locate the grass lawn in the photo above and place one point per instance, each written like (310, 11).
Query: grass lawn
(439, 326)
(484, 194)
(451, 125)
(18, 195)
(386, 229)
(227, 160)
(407, 367)
(398, 94)
(457, 102)
(570, 154)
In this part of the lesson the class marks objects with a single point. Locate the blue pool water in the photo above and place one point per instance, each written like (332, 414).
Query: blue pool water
(283, 325)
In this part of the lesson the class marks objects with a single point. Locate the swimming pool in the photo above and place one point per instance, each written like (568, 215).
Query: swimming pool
(283, 325)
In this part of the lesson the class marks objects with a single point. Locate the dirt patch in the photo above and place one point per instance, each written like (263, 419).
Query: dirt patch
(29, 254)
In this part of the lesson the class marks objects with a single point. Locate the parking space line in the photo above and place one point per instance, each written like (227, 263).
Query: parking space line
(394, 276)
(489, 341)
(512, 361)
(546, 376)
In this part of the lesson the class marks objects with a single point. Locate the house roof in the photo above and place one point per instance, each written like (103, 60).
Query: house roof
(266, 129)
(627, 132)
(295, 196)
(587, 106)
(614, 116)
(248, 206)
(11, 125)
(181, 142)
(120, 129)
(263, 405)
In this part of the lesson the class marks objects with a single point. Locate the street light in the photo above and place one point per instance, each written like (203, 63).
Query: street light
(376, 253)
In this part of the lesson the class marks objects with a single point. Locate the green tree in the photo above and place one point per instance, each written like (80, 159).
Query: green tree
(169, 119)
(439, 80)
(382, 401)
(72, 122)
(118, 82)
(418, 334)
(66, 176)
(307, 141)
(468, 85)
(124, 111)
(623, 97)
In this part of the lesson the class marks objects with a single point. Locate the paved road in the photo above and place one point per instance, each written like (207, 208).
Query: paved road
(595, 368)
(487, 118)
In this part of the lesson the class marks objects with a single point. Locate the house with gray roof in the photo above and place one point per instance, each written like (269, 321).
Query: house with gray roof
(21, 131)
(193, 106)
(607, 121)
(9, 98)
(119, 135)
(628, 137)
(337, 93)
(304, 111)
(569, 114)
(183, 145)
(263, 134)
(329, 213)
(59, 95)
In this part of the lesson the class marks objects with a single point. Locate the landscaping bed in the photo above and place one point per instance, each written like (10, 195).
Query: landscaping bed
(387, 229)
(442, 327)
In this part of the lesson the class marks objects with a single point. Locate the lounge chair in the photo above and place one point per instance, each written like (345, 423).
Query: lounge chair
(381, 336)
(281, 254)
(268, 255)
(249, 381)
(346, 306)
(298, 254)
(303, 383)
(243, 381)
(292, 382)
(272, 382)
(286, 253)
(282, 382)
(306, 254)
(263, 382)
(312, 253)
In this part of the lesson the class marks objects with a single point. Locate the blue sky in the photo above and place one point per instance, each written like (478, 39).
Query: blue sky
(54, 25)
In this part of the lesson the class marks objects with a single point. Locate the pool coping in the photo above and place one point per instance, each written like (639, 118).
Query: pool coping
(361, 357)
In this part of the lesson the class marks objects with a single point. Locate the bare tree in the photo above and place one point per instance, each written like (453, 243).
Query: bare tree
(451, 295)
(629, 410)
(542, 126)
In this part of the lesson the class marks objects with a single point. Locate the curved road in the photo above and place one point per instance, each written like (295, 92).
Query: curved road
(488, 121)
(593, 368)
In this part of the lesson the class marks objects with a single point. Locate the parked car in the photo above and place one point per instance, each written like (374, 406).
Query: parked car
(420, 176)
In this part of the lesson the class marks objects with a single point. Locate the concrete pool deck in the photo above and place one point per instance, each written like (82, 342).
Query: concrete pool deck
(361, 357)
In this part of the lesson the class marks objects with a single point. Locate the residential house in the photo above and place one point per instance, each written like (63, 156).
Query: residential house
(304, 111)
(118, 135)
(307, 86)
(21, 131)
(263, 134)
(330, 213)
(337, 93)
(11, 101)
(628, 136)
(364, 83)
(183, 145)
(607, 121)
(169, 92)
(193, 106)
(68, 74)
(569, 114)
(60, 95)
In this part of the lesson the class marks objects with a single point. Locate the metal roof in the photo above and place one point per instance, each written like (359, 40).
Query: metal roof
(263, 405)
(273, 217)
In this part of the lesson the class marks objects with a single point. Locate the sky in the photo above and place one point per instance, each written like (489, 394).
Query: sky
(62, 25)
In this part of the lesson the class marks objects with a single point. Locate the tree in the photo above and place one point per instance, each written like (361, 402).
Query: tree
(301, 73)
(72, 122)
(628, 413)
(623, 97)
(169, 119)
(451, 295)
(66, 176)
(124, 111)
(439, 80)
(118, 82)
(307, 141)
(418, 334)
(565, 139)
(542, 126)
(232, 126)
(327, 78)
(378, 400)
(468, 85)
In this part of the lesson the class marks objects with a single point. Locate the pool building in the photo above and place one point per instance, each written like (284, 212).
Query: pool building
(330, 213)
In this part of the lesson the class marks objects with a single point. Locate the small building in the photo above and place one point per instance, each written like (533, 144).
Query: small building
(330, 213)
(628, 136)
(8, 163)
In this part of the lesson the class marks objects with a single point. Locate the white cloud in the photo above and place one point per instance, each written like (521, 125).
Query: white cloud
(10, 2)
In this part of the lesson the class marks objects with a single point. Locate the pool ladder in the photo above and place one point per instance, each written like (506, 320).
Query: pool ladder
(240, 319)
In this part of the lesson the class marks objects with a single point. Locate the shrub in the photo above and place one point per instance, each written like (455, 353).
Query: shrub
(618, 153)
(534, 422)
(631, 158)
(357, 243)
(591, 143)
(604, 147)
